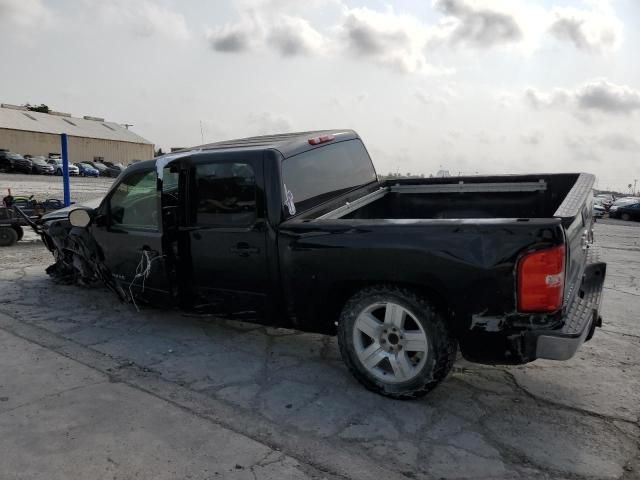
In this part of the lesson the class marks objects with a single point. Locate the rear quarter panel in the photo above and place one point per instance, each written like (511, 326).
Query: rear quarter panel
(467, 266)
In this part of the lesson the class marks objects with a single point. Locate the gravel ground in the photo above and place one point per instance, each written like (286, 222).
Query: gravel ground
(43, 187)
(548, 420)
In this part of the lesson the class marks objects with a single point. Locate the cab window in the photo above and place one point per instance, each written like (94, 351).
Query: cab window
(225, 194)
(314, 176)
(133, 204)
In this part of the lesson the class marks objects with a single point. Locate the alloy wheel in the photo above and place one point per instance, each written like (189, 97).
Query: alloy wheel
(389, 342)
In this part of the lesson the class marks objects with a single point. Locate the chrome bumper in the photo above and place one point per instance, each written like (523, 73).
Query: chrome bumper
(580, 319)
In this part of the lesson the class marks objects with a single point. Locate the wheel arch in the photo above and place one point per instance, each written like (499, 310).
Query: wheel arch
(341, 292)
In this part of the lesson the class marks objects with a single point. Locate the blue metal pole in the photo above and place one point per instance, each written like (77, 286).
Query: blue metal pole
(65, 170)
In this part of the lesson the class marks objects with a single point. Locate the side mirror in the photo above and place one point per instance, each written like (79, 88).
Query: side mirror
(79, 218)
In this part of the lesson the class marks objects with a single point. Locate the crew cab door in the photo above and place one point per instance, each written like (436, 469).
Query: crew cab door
(129, 230)
(225, 234)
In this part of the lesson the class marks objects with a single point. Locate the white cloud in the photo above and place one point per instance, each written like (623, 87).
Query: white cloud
(533, 138)
(600, 96)
(19, 14)
(581, 148)
(393, 40)
(505, 100)
(144, 18)
(478, 25)
(556, 98)
(597, 30)
(620, 142)
(603, 96)
(261, 27)
(267, 123)
(401, 41)
(295, 36)
(440, 95)
(234, 38)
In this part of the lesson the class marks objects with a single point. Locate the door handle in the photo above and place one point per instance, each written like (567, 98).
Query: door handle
(244, 249)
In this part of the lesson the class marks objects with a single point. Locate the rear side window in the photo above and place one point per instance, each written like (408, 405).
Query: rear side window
(225, 195)
(317, 175)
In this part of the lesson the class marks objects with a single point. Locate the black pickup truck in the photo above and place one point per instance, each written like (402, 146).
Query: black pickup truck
(297, 231)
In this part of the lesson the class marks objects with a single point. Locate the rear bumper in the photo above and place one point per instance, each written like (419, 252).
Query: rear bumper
(580, 320)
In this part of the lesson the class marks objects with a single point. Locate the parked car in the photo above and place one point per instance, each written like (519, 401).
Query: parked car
(119, 166)
(598, 210)
(86, 170)
(298, 230)
(56, 162)
(22, 164)
(10, 161)
(39, 165)
(114, 169)
(6, 160)
(604, 199)
(103, 170)
(620, 202)
(630, 211)
(604, 203)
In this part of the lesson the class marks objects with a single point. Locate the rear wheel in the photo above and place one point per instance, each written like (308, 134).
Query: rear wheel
(8, 236)
(395, 342)
(19, 230)
(626, 217)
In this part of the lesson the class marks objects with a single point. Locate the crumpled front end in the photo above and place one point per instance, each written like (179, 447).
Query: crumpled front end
(78, 258)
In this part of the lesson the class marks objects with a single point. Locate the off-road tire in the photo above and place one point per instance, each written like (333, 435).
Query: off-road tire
(442, 345)
(8, 236)
(19, 230)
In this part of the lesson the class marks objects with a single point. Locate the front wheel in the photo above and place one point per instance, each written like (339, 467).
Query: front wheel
(395, 342)
(8, 236)
(626, 217)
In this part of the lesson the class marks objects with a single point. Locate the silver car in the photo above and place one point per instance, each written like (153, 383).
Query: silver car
(57, 166)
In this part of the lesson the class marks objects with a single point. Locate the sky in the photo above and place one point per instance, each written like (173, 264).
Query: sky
(469, 86)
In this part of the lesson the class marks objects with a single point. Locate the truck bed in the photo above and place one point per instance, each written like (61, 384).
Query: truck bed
(521, 197)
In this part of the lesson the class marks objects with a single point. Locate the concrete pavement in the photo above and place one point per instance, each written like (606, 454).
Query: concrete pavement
(61, 419)
(282, 389)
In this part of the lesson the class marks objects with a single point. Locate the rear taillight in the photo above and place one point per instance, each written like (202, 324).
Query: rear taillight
(321, 139)
(541, 280)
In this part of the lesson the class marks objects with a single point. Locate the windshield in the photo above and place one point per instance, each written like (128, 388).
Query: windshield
(15, 156)
(38, 161)
(313, 177)
(86, 165)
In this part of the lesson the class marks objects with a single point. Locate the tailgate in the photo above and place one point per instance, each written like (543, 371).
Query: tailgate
(576, 213)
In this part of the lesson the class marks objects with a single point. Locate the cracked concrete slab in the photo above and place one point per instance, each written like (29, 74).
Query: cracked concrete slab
(64, 420)
(593, 388)
(575, 419)
(551, 441)
(28, 371)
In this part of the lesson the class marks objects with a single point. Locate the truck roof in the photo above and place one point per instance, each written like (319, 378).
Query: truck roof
(286, 143)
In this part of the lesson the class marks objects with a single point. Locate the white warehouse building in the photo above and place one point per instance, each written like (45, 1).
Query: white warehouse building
(89, 138)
